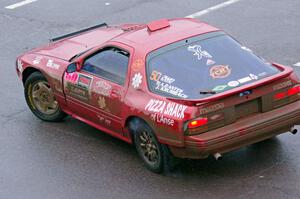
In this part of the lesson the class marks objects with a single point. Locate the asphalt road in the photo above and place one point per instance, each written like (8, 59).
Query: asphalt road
(73, 160)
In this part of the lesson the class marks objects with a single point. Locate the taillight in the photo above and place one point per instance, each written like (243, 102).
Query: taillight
(292, 91)
(279, 96)
(197, 123)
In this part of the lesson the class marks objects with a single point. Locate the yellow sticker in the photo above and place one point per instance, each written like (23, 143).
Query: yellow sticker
(101, 102)
(137, 64)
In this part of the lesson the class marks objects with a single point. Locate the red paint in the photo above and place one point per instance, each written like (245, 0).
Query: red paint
(158, 25)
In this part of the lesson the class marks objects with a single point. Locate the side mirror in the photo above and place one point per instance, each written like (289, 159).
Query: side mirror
(72, 68)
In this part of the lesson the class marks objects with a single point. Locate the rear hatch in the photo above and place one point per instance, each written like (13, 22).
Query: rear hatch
(221, 110)
(226, 80)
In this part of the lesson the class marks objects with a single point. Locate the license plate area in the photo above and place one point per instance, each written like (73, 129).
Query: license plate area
(248, 108)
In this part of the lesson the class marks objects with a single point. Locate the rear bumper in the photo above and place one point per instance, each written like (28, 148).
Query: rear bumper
(246, 131)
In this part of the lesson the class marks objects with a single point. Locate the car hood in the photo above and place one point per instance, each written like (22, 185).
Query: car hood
(67, 48)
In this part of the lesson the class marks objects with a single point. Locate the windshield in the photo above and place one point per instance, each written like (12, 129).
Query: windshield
(203, 66)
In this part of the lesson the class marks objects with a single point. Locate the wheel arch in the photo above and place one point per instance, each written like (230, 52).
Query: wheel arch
(27, 72)
(134, 120)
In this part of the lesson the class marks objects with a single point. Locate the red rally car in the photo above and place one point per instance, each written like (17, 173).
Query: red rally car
(176, 88)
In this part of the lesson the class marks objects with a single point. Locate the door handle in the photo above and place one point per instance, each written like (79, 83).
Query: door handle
(114, 94)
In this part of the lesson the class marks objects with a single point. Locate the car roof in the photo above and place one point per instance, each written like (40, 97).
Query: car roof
(178, 29)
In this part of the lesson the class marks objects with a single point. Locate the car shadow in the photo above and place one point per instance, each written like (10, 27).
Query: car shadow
(245, 162)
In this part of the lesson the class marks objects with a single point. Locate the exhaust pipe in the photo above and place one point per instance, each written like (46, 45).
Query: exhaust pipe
(218, 156)
(294, 130)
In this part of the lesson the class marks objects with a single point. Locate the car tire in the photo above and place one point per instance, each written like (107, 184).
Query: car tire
(40, 99)
(155, 156)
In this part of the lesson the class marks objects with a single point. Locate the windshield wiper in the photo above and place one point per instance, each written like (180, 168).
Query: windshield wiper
(207, 92)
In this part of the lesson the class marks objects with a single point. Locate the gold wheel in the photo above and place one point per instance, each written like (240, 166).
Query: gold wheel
(43, 98)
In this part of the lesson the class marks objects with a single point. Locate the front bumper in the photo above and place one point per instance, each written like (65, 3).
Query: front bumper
(249, 130)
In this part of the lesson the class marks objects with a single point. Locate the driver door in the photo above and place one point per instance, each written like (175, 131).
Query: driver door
(95, 93)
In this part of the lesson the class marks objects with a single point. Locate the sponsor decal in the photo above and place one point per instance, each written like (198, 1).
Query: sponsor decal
(233, 83)
(244, 80)
(219, 71)
(248, 78)
(84, 81)
(137, 80)
(103, 88)
(79, 85)
(167, 79)
(282, 85)
(173, 90)
(210, 62)
(101, 102)
(137, 64)
(37, 59)
(78, 92)
(20, 65)
(253, 76)
(157, 76)
(197, 50)
(219, 88)
(163, 83)
(170, 109)
(161, 119)
(53, 65)
(212, 108)
(71, 77)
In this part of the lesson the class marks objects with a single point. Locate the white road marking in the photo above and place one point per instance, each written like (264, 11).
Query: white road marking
(297, 64)
(213, 8)
(21, 3)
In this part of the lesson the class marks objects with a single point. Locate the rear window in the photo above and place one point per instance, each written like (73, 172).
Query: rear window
(203, 66)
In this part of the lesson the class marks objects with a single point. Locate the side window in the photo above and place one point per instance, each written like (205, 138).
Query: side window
(110, 63)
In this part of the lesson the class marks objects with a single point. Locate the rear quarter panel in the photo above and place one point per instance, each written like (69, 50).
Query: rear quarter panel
(138, 104)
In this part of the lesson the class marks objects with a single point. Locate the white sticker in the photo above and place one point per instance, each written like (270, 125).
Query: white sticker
(20, 65)
(233, 83)
(103, 88)
(196, 49)
(171, 109)
(37, 60)
(252, 76)
(137, 80)
(53, 65)
(244, 80)
(210, 62)
(161, 119)
(173, 90)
